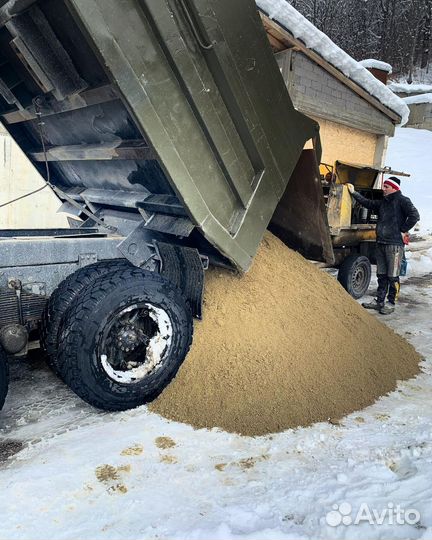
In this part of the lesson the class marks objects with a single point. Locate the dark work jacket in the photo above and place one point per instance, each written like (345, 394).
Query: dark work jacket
(396, 215)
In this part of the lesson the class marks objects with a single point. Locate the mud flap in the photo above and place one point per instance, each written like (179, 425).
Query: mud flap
(183, 267)
(300, 218)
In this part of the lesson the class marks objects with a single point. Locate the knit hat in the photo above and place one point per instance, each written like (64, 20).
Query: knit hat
(393, 182)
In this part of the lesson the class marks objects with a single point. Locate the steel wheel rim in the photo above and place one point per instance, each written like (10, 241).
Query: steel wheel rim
(359, 277)
(134, 342)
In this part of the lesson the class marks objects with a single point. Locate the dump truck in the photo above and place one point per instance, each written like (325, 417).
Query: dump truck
(166, 131)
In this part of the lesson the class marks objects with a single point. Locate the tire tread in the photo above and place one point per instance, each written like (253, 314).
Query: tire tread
(63, 296)
(79, 316)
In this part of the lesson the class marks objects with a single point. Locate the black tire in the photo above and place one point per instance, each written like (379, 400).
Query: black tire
(62, 298)
(4, 377)
(127, 308)
(355, 275)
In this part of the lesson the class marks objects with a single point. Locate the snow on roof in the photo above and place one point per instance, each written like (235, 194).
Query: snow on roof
(371, 63)
(314, 39)
(421, 98)
(410, 88)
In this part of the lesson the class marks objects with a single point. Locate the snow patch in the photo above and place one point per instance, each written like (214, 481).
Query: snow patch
(410, 88)
(371, 63)
(314, 39)
(421, 98)
(419, 263)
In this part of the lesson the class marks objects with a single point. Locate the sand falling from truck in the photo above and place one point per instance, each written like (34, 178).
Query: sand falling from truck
(282, 346)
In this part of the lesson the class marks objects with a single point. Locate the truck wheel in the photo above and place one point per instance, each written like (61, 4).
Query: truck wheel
(62, 298)
(124, 338)
(4, 377)
(355, 275)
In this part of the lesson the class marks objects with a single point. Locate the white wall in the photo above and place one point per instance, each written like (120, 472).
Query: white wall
(18, 177)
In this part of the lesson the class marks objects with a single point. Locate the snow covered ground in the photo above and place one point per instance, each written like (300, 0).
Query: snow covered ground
(83, 474)
(411, 151)
(68, 471)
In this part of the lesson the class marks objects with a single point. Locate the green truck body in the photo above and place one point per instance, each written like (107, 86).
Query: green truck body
(173, 105)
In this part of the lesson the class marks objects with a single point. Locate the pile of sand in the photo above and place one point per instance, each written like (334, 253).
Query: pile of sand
(282, 346)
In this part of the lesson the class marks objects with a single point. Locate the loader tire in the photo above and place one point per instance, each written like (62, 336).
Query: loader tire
(124, 338)
(4, 376)
(355, 275)
(62, 298)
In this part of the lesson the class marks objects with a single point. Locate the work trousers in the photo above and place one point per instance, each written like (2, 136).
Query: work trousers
(389, 259)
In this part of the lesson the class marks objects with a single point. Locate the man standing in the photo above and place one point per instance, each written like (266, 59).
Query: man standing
(396, 216)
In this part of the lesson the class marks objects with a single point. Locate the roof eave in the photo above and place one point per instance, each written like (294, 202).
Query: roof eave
(284, 36)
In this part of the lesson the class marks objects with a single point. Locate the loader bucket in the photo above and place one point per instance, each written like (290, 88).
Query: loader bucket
(300, 218)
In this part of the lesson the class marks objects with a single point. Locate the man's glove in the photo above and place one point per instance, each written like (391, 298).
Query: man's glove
(350, 188)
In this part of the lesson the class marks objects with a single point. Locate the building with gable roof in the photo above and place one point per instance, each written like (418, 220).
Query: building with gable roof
(356, 111)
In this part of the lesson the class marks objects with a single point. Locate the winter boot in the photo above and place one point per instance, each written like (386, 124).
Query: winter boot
(386, 310)
(373, 305)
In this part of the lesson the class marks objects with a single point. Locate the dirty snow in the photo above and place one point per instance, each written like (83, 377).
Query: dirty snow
(419, 261)
(301, 28)
(77, 473)
(371, 63)
(85, 474)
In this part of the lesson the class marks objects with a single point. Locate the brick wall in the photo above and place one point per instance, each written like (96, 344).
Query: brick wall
(317, 93)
